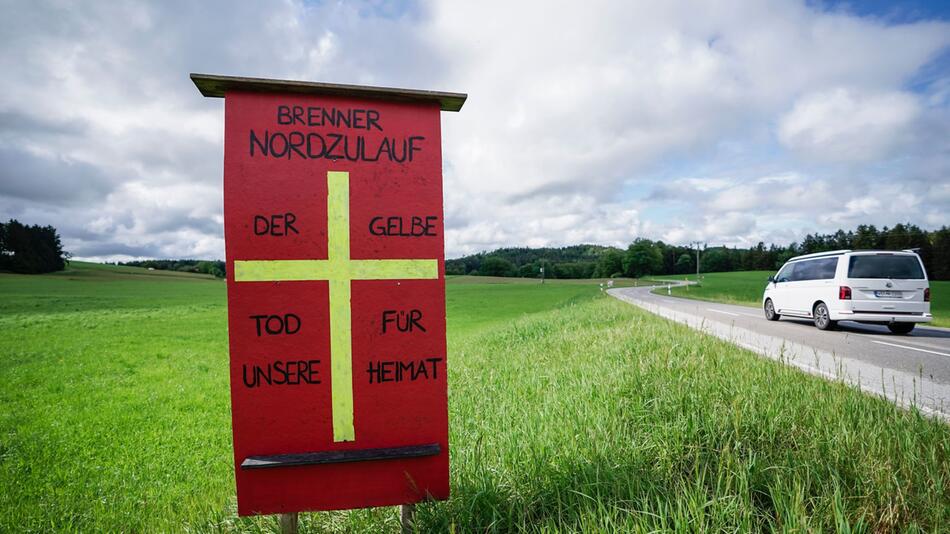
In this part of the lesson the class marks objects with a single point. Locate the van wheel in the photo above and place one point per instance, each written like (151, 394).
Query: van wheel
(770, 311)
(901, 328)
(822, 318)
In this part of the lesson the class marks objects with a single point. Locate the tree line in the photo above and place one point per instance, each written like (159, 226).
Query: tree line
(578, 261)
(645, 257)
(30, 249)
(215, 268)
(38, 249)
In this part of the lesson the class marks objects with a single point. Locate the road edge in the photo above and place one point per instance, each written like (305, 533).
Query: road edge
(903, 389)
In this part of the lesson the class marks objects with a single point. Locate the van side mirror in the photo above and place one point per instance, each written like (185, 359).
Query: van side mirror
(772, 278)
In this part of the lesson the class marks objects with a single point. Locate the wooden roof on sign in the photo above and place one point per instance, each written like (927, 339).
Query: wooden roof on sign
(213, 85)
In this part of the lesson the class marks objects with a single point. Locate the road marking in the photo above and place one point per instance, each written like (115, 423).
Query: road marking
(908, 347)
(723, 311)
(917, 341)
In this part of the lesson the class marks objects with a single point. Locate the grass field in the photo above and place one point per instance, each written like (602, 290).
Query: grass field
(745, 287)
(569, 411)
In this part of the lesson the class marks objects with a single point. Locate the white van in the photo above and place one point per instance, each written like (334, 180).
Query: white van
(867, 286)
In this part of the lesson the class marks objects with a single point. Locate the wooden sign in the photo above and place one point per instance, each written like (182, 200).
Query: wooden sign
(336, 293)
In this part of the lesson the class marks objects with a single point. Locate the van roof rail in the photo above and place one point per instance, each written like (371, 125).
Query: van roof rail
(820, 255)
(915, 250)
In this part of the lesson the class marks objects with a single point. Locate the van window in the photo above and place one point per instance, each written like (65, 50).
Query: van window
(898, 267)
(825, 268)
(820, 269)
(798, 272)
(785, 274)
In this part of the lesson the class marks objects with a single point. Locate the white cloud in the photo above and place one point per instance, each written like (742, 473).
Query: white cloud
(598, 96)
(840, 125)
(892, 200)
(598, 122)
(730, 227)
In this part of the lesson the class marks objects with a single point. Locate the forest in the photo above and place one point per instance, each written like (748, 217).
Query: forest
(30, 249)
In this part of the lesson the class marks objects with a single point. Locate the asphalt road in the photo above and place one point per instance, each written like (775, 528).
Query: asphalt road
(910, 369)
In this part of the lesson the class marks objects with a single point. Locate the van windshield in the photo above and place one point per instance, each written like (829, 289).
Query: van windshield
(885, 266)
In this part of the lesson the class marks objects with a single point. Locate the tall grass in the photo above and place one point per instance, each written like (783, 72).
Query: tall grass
(600, 417)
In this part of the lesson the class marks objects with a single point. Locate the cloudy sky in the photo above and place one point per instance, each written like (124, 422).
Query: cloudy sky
(587, 122)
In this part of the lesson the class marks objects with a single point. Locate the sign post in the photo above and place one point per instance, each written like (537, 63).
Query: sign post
(336, 293)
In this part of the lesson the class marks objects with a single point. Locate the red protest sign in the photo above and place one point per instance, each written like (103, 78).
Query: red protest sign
(336, 293)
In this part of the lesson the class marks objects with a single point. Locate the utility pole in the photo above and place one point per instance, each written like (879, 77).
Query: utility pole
(697, 243)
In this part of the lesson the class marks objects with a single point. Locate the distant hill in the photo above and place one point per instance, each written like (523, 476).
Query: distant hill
(645, 257)
(214, 268)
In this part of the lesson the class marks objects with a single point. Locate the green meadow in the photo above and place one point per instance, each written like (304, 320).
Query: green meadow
(569, 411)
(745, 288)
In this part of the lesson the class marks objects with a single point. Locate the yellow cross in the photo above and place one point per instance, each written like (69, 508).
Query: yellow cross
(338, 269)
